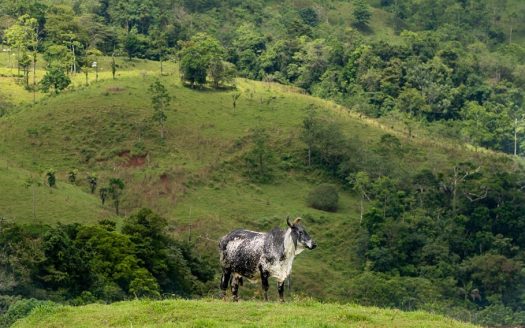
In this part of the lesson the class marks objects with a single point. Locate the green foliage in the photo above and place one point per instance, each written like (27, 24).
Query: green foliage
(92, 181)
(160, 99)
(259, 159)
(324, 197)
(103, 194)
(196, 57)
(114, 190)
(309, 16)
(21, 309)
(381, 290)
(89, 263)
(51, 178)
(72, 176)
(361, 13)
(55, 79)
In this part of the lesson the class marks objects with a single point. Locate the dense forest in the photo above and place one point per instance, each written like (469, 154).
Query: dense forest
(450, 241)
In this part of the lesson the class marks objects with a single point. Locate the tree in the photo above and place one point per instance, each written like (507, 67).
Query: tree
(259, 158)
(55, 79)
(221, 72)
(116, 186)
(235, 97)
(103, 194)
(309, 16)
(51, 178)
(135, 44)
(309, 131)
(196, 56)
(92, 181)
(160, 44)
(91, 61)
(361, 13)
(23, 36)
(113, 65)
(72, 176)
(360, 183)
(160, 99)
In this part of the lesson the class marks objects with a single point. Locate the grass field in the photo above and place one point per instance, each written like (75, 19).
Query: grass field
(212, 313)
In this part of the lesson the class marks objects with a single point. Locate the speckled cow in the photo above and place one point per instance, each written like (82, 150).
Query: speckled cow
(251, 254)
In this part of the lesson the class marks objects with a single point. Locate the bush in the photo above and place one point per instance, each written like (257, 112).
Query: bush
(21, 309)
(324, 197)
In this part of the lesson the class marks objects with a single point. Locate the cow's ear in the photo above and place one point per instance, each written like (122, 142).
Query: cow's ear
(288, 222)
(297, 221)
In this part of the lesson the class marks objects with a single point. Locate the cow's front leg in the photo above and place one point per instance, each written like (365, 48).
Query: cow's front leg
(225, 279)
(235, 288)
(265, 275)
(280, 287)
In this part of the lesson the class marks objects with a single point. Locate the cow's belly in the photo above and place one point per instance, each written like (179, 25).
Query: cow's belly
(243, 256)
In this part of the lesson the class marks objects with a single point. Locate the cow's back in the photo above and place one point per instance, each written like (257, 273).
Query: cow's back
(241, 251)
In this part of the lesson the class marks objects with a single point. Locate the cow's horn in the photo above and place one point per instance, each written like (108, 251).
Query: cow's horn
(297, 221)
(288, 221)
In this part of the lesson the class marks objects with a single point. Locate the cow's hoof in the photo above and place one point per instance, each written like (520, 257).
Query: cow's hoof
(235, 299)
(281, 300)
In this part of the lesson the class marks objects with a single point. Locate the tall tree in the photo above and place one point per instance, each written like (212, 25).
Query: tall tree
(160, 100)
(116, 186)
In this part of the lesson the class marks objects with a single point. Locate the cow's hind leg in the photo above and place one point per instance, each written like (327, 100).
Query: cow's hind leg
(235, 287)
(225, 279)
(280, 287)
(265, 275)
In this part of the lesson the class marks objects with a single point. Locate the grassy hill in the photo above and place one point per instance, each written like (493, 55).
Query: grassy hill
(180, 313)
(195, 178)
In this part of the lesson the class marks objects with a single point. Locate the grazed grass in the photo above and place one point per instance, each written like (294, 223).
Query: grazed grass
(213, 313)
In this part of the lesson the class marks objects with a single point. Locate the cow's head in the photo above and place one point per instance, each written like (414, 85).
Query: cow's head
(300, 237)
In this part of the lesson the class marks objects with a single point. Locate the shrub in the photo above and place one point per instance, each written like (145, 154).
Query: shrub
(324, 197)
(21, 309)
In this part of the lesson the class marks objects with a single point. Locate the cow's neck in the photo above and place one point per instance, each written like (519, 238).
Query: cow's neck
(291, 246)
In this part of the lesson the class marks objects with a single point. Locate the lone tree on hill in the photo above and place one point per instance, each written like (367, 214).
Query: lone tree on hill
(197, 56)
(51, 178)
(160, 99)
(103, 193)
(92, 180)
(116, 186)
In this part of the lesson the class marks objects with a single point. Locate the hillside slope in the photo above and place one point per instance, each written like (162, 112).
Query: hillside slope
(196, 177)
(210, 313)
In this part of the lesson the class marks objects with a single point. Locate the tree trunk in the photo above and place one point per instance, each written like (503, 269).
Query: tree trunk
(515, 137)
(74, 59)
(361, 215)
(34, 77)
(34, 199)
(161, 68)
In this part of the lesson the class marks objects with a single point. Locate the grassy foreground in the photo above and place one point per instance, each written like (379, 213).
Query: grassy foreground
(214, 313)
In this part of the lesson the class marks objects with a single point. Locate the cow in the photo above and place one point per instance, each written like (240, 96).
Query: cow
(250, 254)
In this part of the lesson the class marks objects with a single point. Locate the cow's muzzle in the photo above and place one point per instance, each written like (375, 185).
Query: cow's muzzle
(311, 245)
